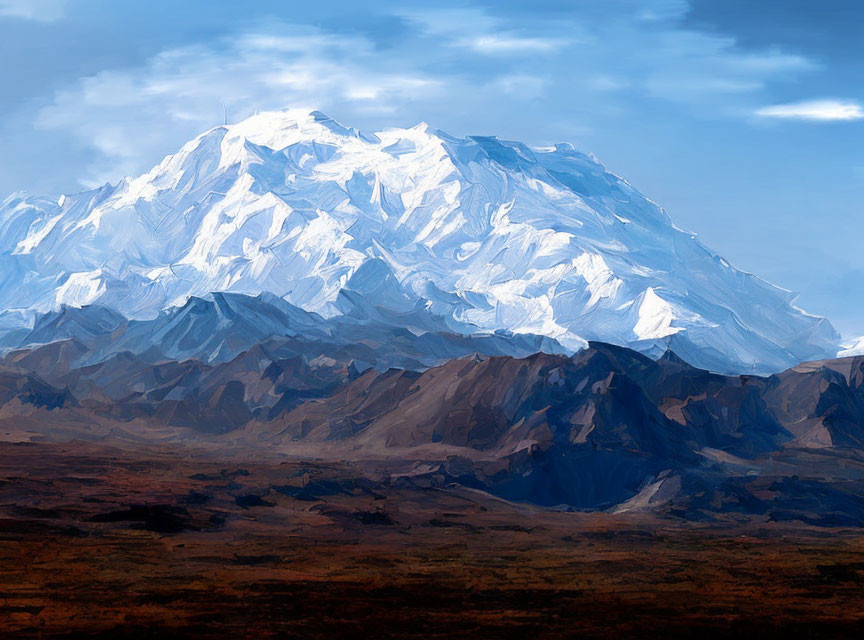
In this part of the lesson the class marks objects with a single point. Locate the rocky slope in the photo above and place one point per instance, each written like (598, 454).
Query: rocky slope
(605, 428)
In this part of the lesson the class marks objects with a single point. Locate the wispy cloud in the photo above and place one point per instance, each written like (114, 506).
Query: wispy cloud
(597, 64)
(814, 110)
(132, 117)
(640, 43)
(478, 31)
(38, 10)
(524, 85)
(500, 43)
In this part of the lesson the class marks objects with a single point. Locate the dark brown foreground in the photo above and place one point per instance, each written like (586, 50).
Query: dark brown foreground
(101, 543)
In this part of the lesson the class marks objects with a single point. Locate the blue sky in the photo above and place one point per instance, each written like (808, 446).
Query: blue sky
(744, 119)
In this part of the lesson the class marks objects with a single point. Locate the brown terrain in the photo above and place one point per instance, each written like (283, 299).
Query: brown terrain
(289, 490)
(154, 542)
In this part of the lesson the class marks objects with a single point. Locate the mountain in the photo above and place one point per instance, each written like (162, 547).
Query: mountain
(853, 348)
(28, 389)
(605, 428)
(69, 323)
(221, 326)
(403, 224)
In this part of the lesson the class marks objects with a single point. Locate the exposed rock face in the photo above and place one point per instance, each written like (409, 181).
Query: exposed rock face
(605, 427)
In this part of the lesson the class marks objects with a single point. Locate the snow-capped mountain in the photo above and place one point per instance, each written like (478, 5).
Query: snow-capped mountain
(854, 347)
(480, 232)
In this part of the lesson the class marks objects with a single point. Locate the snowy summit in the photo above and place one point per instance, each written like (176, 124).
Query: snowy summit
(480, 231)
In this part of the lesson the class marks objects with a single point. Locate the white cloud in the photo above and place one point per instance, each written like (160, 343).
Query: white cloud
(597, 65)
(603, 82)
(816, 110)
(500, 43)
(639, 44)
(448, 23)
(38, 10)
(132, 117)
(770, 61)
(478, 31)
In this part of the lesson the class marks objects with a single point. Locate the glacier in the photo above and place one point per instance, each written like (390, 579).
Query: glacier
(481, 233)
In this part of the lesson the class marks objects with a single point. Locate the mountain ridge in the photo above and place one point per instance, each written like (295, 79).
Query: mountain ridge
(486, 233)
(592, 430)
(220, 326)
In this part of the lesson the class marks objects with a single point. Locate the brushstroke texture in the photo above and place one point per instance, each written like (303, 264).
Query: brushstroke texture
(482, 233)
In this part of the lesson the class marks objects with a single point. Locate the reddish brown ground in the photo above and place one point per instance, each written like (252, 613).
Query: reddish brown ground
(76, 559)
